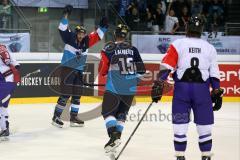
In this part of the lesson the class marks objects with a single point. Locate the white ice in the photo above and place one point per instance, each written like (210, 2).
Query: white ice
(34, 138)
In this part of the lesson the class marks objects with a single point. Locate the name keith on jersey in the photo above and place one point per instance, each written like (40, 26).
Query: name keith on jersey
(194, 50)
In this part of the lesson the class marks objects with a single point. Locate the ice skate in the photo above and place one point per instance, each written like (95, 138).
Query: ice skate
(113, 143)
(206, 158)
(4, 135)
(76, 122)
(181, 158)
(112, 154)
(56, 121)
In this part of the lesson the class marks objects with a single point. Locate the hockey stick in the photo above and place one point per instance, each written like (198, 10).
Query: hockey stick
(95, 84)
(43, 69)
(34, 72)
(125, 145)
(92, 84)
(99, 7)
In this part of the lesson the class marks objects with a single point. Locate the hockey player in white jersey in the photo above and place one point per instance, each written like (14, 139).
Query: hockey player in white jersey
(194, 62)
(9, 77)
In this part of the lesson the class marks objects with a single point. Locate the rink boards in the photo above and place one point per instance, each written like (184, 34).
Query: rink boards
(37, 86)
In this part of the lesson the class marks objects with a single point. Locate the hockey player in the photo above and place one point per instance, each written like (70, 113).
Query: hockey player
(72, 64)
(194, 62)
(9, 77)
(121, 63)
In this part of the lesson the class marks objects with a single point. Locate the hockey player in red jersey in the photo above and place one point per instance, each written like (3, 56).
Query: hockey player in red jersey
(9, 77)
(194, 62)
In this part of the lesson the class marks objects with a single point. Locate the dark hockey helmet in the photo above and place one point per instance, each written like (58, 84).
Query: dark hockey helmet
(122, 31)
(80, 29)
(195, 26)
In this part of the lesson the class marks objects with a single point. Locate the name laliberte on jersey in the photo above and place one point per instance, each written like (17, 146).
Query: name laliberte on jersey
(123, 51)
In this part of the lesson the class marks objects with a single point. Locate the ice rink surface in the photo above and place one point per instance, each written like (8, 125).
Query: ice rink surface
(34, 138)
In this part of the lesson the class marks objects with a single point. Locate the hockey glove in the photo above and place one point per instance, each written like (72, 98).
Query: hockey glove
(2, 78)
(16, 74)
(18, 67)
(216, 96)
(103, 23)
(157, 91)
(78, 54)
(67, 9)
(4, 55)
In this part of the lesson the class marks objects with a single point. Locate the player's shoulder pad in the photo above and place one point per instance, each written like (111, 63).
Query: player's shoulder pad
(208, 44)
(109, 47)
(178, 43)
(212, 49)
(134, 48)
(3, 47)
(125, 45)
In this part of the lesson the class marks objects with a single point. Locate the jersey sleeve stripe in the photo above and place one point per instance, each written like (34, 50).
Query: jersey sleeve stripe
(100, 33)
(167, 66)
(171, 57)
(63, 25)
(104, 64)
(93, 38)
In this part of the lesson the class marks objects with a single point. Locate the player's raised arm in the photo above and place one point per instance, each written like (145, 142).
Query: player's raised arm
(104, 64)
(98, 35)
(63, 27)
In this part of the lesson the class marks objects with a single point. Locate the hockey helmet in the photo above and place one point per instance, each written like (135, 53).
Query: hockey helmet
(121, 31)
(195, 26)
(80, 29)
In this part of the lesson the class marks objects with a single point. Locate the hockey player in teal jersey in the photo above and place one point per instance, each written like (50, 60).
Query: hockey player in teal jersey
(122, 64)
(72, 65)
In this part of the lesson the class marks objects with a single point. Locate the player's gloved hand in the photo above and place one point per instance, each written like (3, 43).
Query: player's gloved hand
(7, 62)
(18, 67)
(2, 78)
(216, 96)
(103, 23)
(67, 9)
(78, 55)
(157, 91)
(16, 73)
(5, 58)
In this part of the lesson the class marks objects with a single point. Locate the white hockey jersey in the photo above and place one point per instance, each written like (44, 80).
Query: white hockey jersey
(7, 65)
(187, 52)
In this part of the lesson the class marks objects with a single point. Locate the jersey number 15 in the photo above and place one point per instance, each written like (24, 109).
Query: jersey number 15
(126, 66)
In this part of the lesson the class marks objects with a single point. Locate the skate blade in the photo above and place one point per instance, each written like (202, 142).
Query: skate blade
(110, 150)
(112, 156)
(76, 125)
(3, 139)
(111, 153)
(57, 125)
